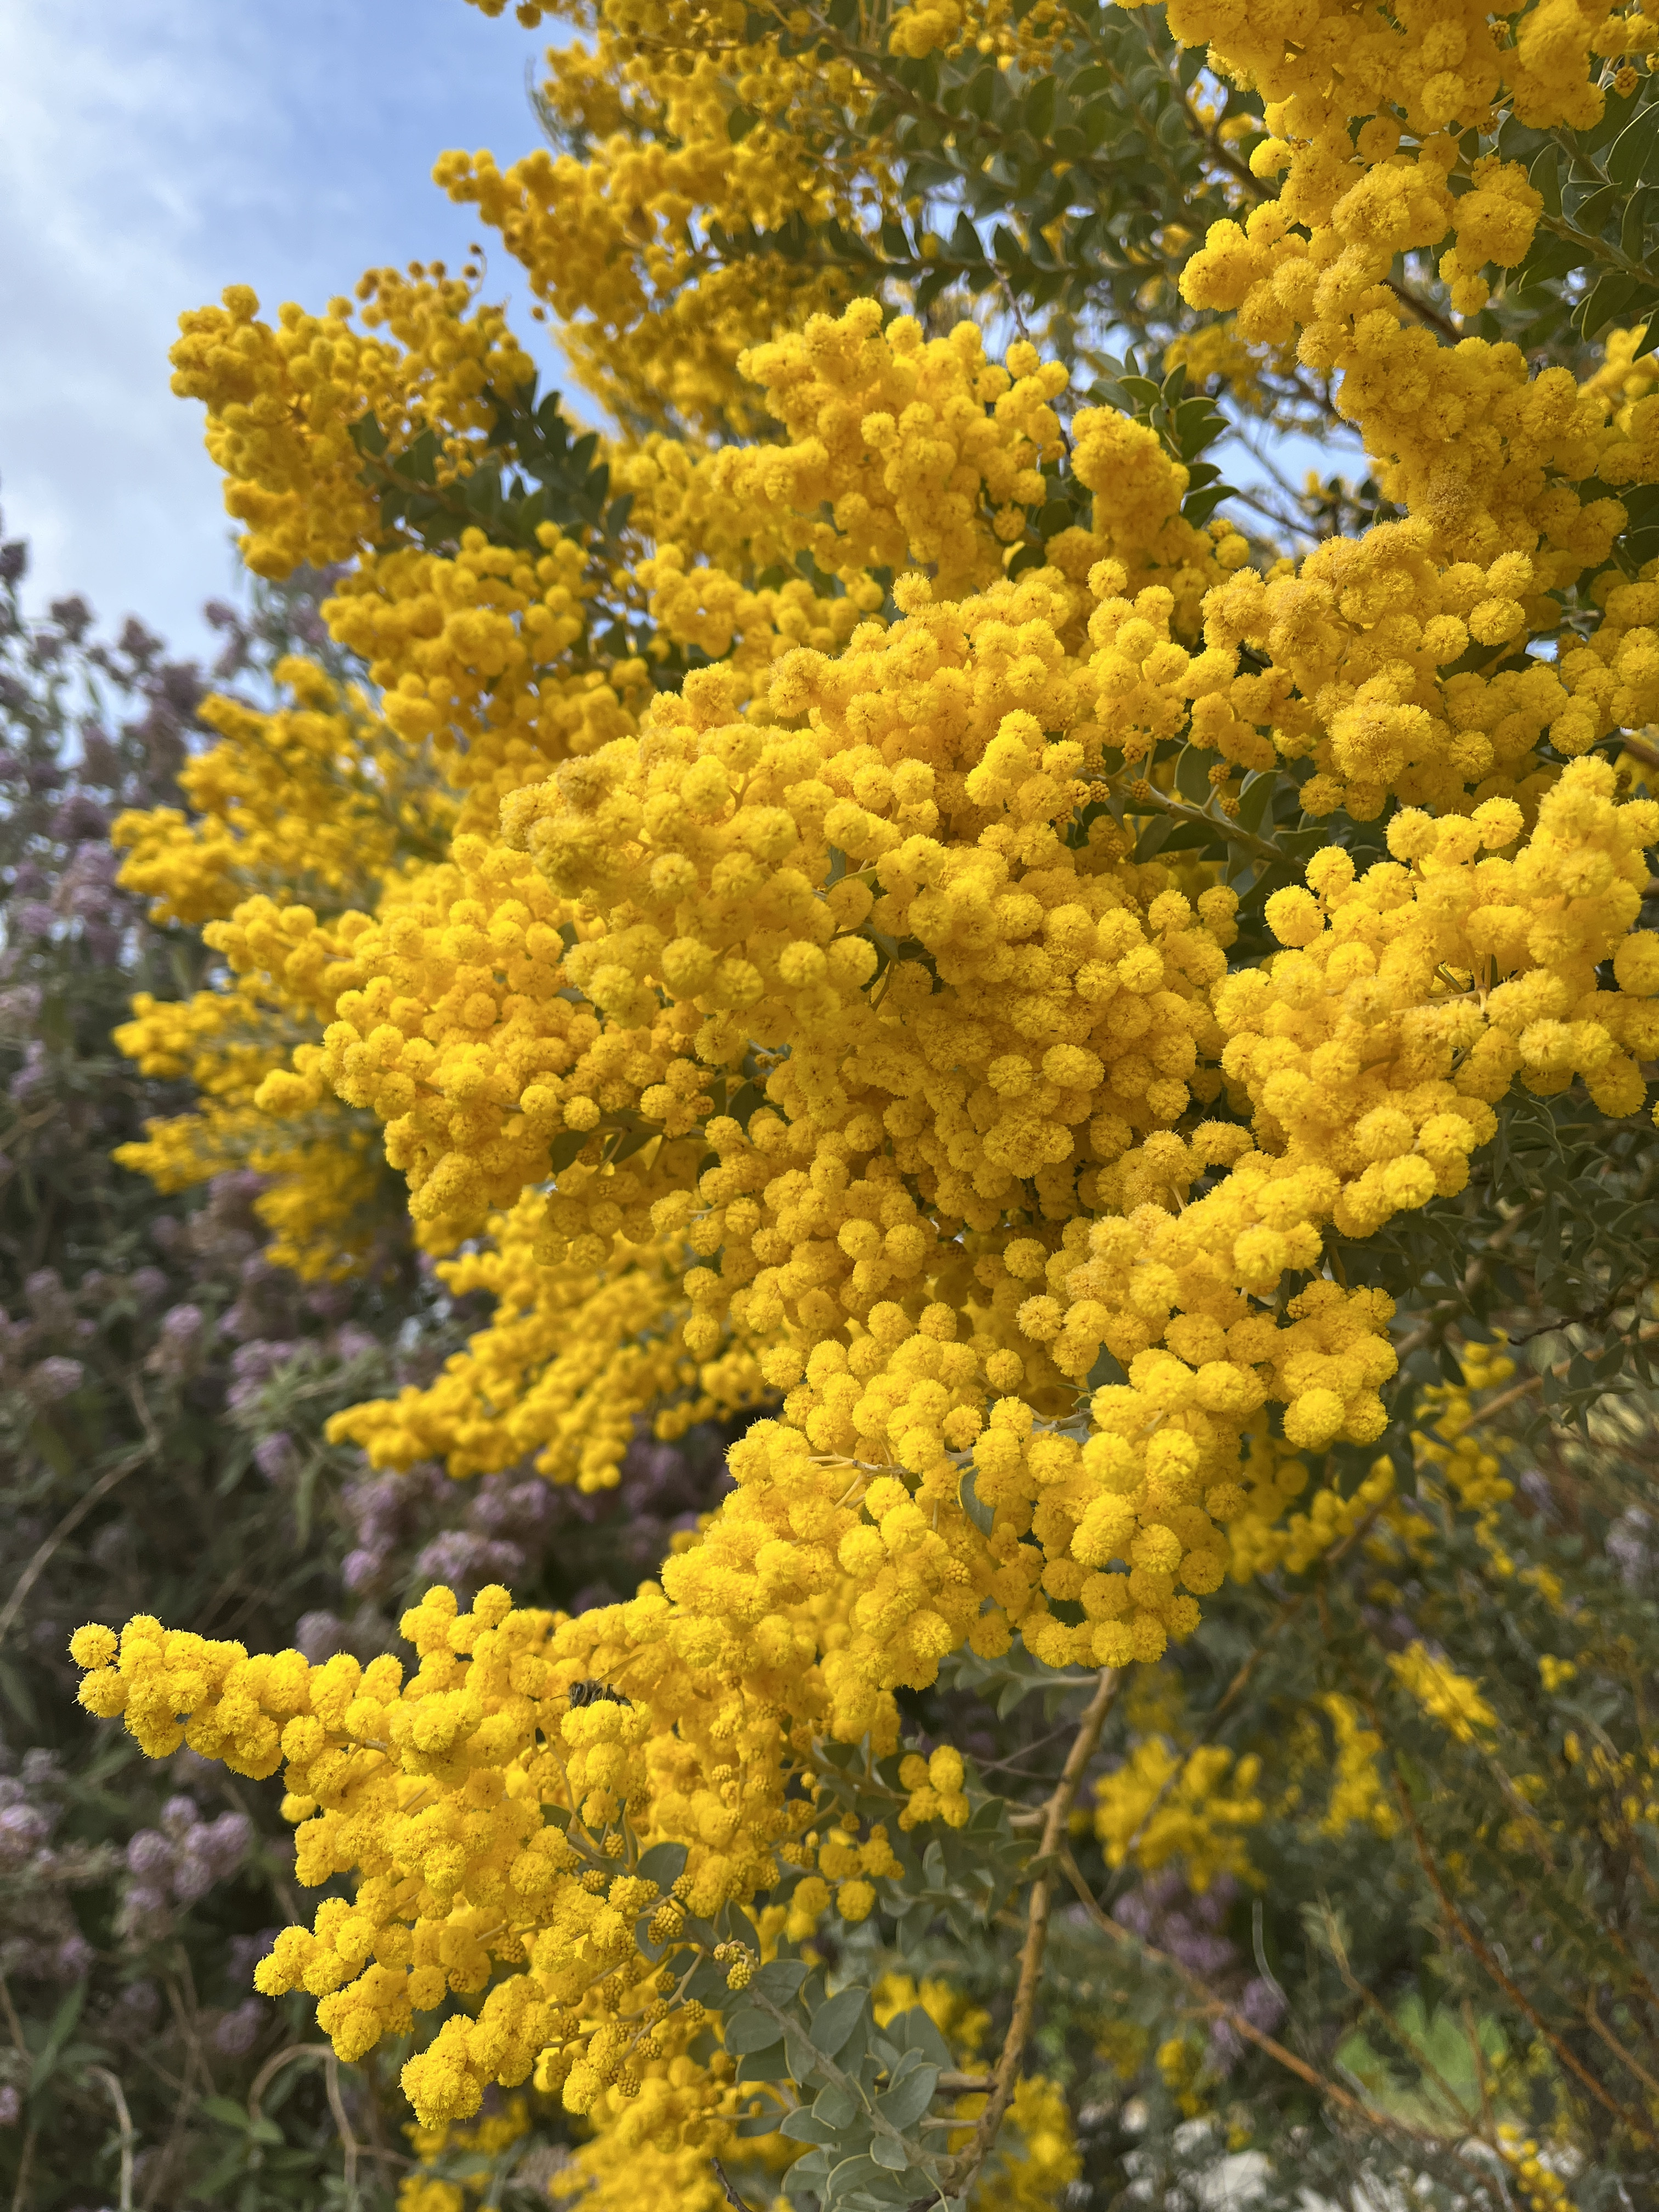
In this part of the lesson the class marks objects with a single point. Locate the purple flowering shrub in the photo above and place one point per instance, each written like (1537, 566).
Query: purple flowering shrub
(164, 1387)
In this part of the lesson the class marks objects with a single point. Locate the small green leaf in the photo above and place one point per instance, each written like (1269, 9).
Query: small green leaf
(664, 1863)
(834, 2107)
(780, 1981)
(751, 2031)
(807, 2127)
(914, 2030)
(62, 2027)
(1545, 177)
(1191, 774)
(895, 2156)
(982, 1515)
(902, 2107)
(1255, 799)
(1634, 153)
(833, 2022)
(565, 1148)
(707, 1984)
(1608, 302)
(771, 2063)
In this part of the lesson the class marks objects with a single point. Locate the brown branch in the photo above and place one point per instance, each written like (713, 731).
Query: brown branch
(19, 2039)
(1373, 2003)
(1480, 1952)
(1051, 1846)
(1215, 2007)
(727, 2189)
(1616, 2047)
(1517, 1391)
(1425, 312)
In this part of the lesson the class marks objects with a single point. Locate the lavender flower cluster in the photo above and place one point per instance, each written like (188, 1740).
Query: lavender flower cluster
(1188, 1925)
(176, 1863)
(39, 1936)
(408, 1530)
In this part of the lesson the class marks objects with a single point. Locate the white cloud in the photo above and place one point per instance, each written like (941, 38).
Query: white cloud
(152, 152)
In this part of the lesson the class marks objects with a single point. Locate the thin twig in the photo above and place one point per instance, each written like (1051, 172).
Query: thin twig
(1472, 2031)
(1372, 2002)
(18, 2198)
(336, 2105)
(1260, 848)
(71, 1520)
(1617, 2047)
(1479, 1951)
(118, 2098)
(1059, 1810)
(1517, 1391)
(161, 2166)
(727, 2189)
(1216, 2008)
(272, 2067)
(18, 2037)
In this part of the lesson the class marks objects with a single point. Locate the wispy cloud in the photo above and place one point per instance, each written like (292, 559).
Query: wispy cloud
(151, 154)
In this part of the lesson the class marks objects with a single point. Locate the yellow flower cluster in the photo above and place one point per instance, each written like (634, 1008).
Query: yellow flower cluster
(316, 800)
(490, 1819)
(281, 402)
(487, 2140)
(1451, 1698)
(1539, 2185)
(474, 655)
(1160, 1808)
(1358, 1797)
(574, 1356)
(1463, 436)
(873, 904)
(324, 1173)
(1035, 2171)
(691, 124)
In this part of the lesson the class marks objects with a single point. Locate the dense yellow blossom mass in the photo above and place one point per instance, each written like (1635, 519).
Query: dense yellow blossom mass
(762, 998)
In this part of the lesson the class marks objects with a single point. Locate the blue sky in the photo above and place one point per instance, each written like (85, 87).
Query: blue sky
(153, 151)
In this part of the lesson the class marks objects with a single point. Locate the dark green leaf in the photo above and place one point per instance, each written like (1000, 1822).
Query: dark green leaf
(833, 2022)
(780, 1981)
(806, 2127)
(902, 2107)
(751, 2031)
(895, 2156)
(664, 1863)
